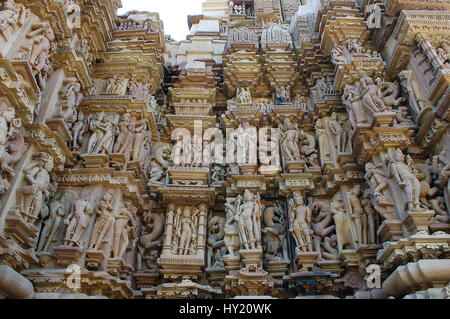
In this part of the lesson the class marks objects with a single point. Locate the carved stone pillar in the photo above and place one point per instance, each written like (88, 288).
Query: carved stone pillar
(169, 228)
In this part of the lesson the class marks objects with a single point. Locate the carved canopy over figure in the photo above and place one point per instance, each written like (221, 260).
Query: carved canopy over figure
(248, 218)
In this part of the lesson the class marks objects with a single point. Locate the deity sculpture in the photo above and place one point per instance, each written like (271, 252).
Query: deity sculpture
(300, 219)
(248, 218)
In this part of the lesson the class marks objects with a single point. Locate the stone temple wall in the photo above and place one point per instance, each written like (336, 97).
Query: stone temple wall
(283, 149)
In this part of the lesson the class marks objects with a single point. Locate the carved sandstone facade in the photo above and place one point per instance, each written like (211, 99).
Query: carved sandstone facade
(283, 149)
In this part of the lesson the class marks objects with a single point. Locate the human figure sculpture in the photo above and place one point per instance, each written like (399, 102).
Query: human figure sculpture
(307, 149)
(352, 100)
(248, 217)
(371, 217)
(231, 238)
(405, 178)
(274, 233)
(109, 128)
(357, 214)
(339, 133)
(150, 241)
(330, 248)
(391, 94)
(42, 47)
(72, 97)
(37, 174)
(216, 246)
(371, 94)
(161, 160)
(289, 141)
(78, 221)
(300, 219)
(124, 229)
(343, 225)
(104, 224)
(321, 225)
(324, 144)
(11, 15)
(412, 91)
(139, 138)
(53, 224)
(186, 231)
(79, 128)
(97, 133)
(7, 113)
(124, 135)
(377, 180)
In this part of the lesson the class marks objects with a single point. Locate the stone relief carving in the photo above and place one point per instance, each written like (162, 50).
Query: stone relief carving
(274, 233)
(33, 196)
(12, 144)
(12, 15)
(248, 218)
(402, 173)
(150, 242)
(299, 223)
(216, 244)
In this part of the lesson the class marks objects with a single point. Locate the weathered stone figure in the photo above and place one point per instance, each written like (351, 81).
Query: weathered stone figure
(299, 221)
